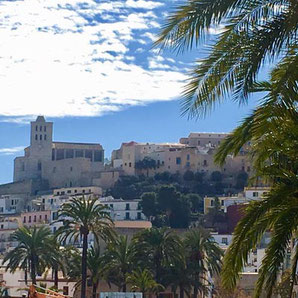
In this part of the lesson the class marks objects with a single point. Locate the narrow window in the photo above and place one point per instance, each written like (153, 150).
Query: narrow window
(29, 219)
(36, 128)
(36, 137)
(45, 137)
(40, 137)
(40, 128)
(45, 128)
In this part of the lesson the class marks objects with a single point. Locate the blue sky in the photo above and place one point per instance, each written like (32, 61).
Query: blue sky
(89, 66)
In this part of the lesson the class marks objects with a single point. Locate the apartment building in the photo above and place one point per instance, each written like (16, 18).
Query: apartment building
(123, 209)
(249, 194)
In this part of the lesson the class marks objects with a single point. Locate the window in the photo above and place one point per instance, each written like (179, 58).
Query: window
(29, 218)
(34, 218)
(24, 220)
(69, 191)
(139, 216)
(79, 153)
(187, 164)
(98, 155)
(69, 153)
(129, 164)
(39, 166)
(255, 194)
(40, 128)
(127, 207)
(36, 137)
(83, 190)
(188, 157)
(199, 142)
(178, 160)
(222, 202)
(127, 215)
(59, 154)
(70, 183)
(75, 191)
(112, 206)
(88, 154)
(36, 128)
(46, 217)
(53, 154)
(44, 128)
(2, 226)
(212, 203)
(71, 169)
(205, 163)
(65, 290)
(62, 193)
(55, 215)
(224, 240)
(58, 192)
(45, 137)
(40, 217)
(90, 190)
(40, 137)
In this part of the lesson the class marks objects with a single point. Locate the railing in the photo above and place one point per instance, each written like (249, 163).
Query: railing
(33, 293)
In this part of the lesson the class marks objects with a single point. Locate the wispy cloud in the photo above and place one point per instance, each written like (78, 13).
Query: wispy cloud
(61, 58)
(11, 151)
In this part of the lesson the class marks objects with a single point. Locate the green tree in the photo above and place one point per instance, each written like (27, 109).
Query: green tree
(33, 251)
(143, 281)
(80, 217)
(119, 257)
(241, 180)
(203, 255)
(197, 203)
(188, 176)
(216, 176)
(148, 204)
(155, 249)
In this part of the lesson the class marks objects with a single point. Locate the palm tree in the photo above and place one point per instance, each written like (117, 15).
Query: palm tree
(250, 33)
(253, 33)
(80, 217)
(203, 257)
(142, 281)
(157, 248)
(119, 257)
(33, 251)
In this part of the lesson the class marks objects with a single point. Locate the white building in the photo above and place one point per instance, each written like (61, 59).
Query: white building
(123, 209)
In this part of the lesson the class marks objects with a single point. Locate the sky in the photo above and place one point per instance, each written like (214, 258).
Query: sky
(89, 66)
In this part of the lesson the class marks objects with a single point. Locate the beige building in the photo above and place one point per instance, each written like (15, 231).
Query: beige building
(61, 164)
(195, 153)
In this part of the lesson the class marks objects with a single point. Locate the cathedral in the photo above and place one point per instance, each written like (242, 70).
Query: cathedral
(58, 164)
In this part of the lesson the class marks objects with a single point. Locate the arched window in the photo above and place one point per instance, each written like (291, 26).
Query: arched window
(39, 166)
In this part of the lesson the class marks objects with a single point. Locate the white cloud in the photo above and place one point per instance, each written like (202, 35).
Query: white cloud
(11, 151)
(53, 62)
(143, 4)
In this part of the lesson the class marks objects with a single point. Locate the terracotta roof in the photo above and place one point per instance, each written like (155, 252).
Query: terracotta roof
(133, 224)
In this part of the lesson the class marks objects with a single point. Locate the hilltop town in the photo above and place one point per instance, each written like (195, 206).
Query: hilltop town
(51, 173)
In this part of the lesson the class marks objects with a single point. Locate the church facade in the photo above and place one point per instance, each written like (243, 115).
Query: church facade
(60, 164)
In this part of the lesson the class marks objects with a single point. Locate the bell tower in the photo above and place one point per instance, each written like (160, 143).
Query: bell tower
(41, 138)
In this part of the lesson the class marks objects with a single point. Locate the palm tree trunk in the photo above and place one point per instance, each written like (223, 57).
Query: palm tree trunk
(124, 287)
(56, 279)
(195, 292)
(84, 265)
(94, 288)
(33, 270)
(181, 291)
